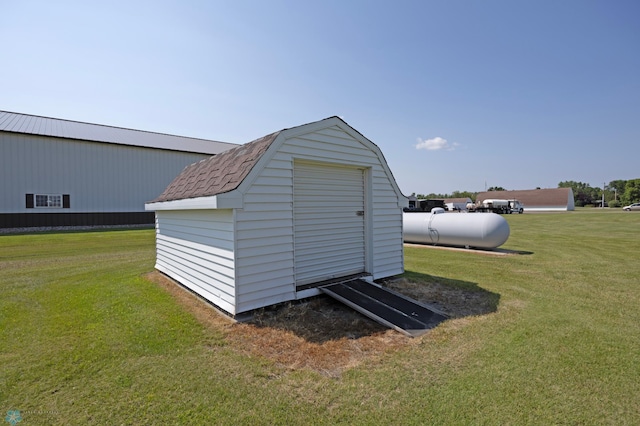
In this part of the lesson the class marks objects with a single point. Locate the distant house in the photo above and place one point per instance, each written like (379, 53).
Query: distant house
(457, 204)
(548, 199)
(56, 172)
(265, 222)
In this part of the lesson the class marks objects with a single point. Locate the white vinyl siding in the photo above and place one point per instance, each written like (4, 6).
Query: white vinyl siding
(329, 226)
(265, 225)
(264, 240)
(196, 248)
(385, 255)
(387, 244)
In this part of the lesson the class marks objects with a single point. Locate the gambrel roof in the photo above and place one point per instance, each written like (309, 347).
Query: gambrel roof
(218, 174)
(224, 173)
(54, 127)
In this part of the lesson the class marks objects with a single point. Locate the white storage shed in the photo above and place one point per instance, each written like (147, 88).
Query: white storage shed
(267, 221)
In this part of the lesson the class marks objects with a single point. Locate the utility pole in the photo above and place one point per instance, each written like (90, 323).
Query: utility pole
(603, 185)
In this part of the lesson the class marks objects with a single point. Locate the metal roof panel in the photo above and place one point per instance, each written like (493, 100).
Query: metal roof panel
(55, 127)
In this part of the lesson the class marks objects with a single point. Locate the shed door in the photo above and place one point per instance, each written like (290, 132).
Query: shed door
(329, 227)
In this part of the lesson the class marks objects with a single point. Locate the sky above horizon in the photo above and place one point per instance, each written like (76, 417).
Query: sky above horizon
(458, 95)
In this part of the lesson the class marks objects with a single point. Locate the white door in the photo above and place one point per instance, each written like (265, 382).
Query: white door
(329, 227)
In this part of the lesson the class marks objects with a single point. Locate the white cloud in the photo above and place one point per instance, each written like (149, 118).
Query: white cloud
(435, 144)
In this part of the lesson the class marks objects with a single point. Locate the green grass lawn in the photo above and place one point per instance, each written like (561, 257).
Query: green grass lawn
(86, 339)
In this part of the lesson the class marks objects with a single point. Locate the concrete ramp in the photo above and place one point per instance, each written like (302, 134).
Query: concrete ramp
(385, 306)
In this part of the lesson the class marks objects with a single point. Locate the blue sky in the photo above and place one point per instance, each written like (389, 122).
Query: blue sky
(459, 95)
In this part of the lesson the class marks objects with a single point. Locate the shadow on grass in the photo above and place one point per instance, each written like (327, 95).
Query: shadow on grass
(324, 335)
(508, 251)
(456, 298)
(322, 319)
(476, 250)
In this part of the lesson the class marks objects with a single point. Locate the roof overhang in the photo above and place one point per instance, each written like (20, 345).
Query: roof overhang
(228, 200)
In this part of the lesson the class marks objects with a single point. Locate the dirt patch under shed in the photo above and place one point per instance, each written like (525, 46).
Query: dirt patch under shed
(322, 334)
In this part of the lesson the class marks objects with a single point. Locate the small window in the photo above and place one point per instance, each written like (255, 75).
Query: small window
(51, 201)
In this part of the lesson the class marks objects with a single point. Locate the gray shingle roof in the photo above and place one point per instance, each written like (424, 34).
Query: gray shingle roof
(59, 128)
(218, 174)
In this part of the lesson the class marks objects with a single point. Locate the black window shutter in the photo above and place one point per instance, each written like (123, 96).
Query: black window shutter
(29, 201)
(66, 202)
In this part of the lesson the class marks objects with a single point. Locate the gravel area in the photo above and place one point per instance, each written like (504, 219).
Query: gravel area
(33, 230)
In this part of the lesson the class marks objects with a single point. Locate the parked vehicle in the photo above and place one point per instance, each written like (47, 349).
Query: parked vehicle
(497, 206)
(425, 205)
(632, 207)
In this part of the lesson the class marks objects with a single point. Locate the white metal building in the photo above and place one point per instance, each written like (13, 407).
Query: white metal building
(265, 222)
(58, 172)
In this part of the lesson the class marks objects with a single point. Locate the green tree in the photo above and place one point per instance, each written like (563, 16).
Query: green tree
(496, 188)
(454, 194)
(583, 193)
(428, 196)
(617, 186)
(463, 194)
(631, 192)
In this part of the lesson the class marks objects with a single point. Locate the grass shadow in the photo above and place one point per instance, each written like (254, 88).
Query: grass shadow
(508, 251)
(323, 319)
(456, 298)
(324, 335)
(317, 320)
(476, 250)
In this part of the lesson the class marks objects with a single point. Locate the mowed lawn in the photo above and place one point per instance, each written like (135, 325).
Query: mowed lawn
(86, 339)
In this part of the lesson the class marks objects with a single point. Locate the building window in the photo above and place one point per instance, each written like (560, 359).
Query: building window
(48, 201)
(44, 201)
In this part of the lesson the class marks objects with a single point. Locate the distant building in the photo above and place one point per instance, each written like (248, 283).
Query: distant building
(57, 172)
(549, 199)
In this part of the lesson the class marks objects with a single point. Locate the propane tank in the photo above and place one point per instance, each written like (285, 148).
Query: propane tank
(480, 230)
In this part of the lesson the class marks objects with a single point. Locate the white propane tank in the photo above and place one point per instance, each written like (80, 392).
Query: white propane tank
(480, 230)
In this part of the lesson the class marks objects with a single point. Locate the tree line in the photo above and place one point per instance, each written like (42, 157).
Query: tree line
(616, 193)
